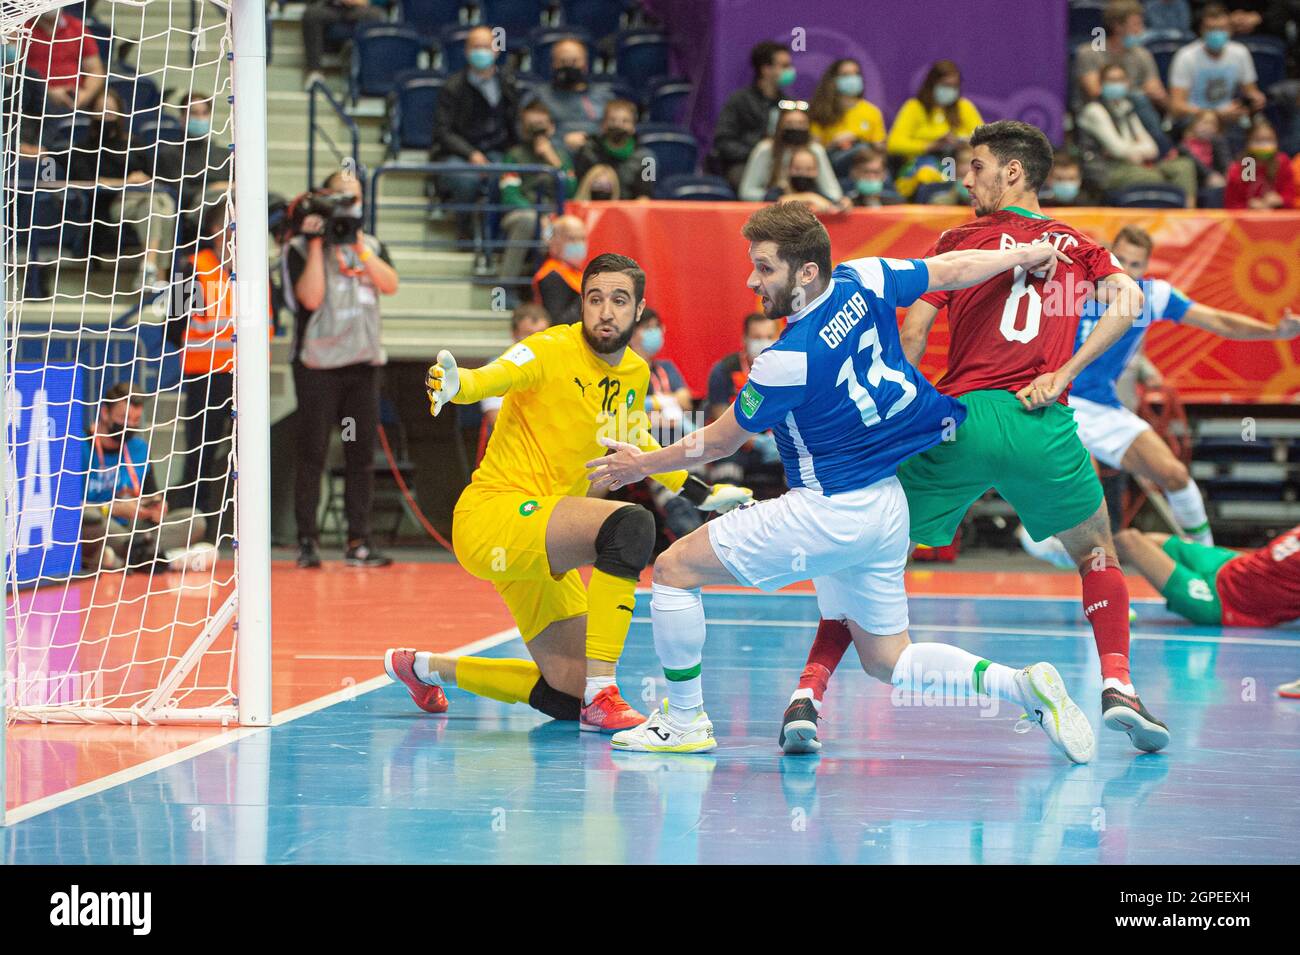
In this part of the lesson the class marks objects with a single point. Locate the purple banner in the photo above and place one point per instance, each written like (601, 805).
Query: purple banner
(1012, 55)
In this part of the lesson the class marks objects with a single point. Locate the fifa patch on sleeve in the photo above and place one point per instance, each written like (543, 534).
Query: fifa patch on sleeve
(520, 355)
(749, 400)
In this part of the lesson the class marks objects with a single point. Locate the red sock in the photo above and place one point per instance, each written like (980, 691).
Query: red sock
(832, 640)
(1105, 604)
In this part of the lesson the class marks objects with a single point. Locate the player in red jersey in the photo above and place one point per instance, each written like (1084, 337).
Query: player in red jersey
(1011, 361)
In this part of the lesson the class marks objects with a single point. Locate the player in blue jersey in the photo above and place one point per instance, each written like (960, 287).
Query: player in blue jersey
(846, 408)
(1117, 437)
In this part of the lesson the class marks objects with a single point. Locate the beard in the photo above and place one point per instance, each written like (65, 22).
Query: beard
(782, 304)
(614, 344)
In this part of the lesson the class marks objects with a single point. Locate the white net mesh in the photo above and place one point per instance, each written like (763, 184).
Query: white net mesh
(119, 361)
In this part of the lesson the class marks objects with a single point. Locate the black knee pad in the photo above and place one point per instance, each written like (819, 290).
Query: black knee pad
(558, 706)
(625, 542)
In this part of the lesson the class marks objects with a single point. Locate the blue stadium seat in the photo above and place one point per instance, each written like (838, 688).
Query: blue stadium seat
(676, 154)
(411, 110)
(150, 130)
(138, 94)
(514, 16)
(1085, 16)
(601, 17)
(429, 17)
(696, 189)
(668, 100)
(60, 133)
(618, 88)
(451, 48)
(641, 56)
(379, 54)
(543, 38)
(101, 34)
(1148, 197)
(1269, 54)
(1162, 51)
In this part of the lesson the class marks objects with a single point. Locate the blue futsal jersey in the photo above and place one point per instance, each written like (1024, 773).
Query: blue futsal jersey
(844, 403)
(1164, 303)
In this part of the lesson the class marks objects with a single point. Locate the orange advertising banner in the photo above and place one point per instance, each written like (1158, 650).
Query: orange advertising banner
(696, 267)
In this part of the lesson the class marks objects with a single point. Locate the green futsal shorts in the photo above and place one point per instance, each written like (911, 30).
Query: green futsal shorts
(1190, 590)
(1034, 459)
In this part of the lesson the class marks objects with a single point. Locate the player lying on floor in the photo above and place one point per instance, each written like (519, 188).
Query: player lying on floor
(846, 407)
(1011, 362)
(1117, 437)
(1214, 585)
(526, 525)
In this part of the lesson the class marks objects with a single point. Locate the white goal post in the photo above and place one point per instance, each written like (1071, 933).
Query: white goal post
(133, 255)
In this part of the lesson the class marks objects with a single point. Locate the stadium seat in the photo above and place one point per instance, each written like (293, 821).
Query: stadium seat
(164, 127)
(928, 190)
(1085, 16)
(138, 94)
(618, 88)
(516, 17)
(601, 17)
(675, 154)
(641, 56)
(101, 34)
(1162, 51)
(543, 38)
(451, 48)
(411, 110)
(60, 133)
(696, 188)
(429, 17)
(668, 100)
(1148, 197)
(379, 54)
(1269, 54)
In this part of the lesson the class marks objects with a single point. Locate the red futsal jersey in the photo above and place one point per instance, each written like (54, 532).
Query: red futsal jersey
(1010, 329)
(1262, 588)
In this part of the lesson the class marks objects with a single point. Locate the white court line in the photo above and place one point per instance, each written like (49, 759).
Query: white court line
(729, 589)
(113, 780)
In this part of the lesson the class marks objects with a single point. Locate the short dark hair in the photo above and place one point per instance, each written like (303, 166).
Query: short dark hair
(1212, 11)
(613, 262)
(764, 53)
(526, 310)
(118, 392)
(1064, 159)
(648, 316)
(1135, 236)
(798, 235)
(754, 317)
(1009, 139)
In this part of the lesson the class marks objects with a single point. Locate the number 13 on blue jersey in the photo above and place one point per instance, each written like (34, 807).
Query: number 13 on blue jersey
(860, 388)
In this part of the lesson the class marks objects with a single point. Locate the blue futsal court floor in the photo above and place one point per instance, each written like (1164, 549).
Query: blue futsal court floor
(373, 780)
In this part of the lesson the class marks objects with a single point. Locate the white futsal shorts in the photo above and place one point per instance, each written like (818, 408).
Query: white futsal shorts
(1105, 431)
(852, 546)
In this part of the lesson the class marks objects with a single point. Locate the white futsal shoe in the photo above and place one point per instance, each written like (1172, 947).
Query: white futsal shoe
(663, 734)
(1048, 705)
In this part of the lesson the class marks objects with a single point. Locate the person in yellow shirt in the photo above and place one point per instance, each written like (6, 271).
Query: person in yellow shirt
(526, 524)
(929, 126)
(841, 117)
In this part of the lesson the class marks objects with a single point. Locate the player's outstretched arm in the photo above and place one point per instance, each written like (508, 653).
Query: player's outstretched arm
(627, 464)
(446, 382)
(1241, 327)
(963, 268)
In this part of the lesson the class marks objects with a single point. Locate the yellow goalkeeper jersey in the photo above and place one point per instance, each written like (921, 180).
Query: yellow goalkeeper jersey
(560, 398)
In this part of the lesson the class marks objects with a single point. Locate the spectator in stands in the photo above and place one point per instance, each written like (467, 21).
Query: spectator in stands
(841, 118)
(868, 184)
(200, 163)
(1167, 19)
(769, 164)
(616, 148)
(929, 126)
(557, 285)
(528, 318)
(525, 192)
(956, 194)
(1063, 182)
(599, 184)
(1118, 150)
(475, 120)
(125, 520)
(757, 460)
(1215, 73)
(1204, 144)
(1262, 177)
(1125, 34)
(66, 57)
(572, 100)
(319, 16)
(801, 184)
(125, 195)
(749, 114)
(337, 357)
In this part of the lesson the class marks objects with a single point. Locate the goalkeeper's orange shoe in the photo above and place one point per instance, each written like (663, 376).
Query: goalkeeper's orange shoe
(400, 665)
(608, 712)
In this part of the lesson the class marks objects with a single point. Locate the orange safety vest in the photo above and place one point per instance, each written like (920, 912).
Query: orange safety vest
(571, 276)
(211, 325)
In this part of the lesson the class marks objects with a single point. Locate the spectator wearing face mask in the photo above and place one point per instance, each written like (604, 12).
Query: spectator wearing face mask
(769, 164)
(1262, 177)
(557, 285)
(1204, 145)
(201, 162)
(749, 114)
(615, 147)
(1123, 44)
(800, 185)
(841, 118)
(868, 185)
(1063, 182)
(1215, 73)
(523, 192)
(956, 194)
(929, 126)
(569, 97)
(1118, 151)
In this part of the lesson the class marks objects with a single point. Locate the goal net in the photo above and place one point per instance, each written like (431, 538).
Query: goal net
(131, 342)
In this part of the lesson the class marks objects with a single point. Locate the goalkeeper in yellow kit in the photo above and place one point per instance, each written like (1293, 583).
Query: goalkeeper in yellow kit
(526, 524)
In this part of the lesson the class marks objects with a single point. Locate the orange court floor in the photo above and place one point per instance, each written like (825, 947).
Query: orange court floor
(330, 628)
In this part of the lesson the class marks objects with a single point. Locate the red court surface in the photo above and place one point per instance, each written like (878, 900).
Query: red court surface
(330, 629)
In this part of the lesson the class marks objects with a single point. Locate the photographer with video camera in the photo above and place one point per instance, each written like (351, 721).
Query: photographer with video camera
(334, 274)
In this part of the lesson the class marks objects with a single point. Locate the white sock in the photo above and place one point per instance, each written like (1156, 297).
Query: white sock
(423, 671)
(677, 619)
(806, 693)
(1189, 510)
(1111, 683)
(594, 685)
(954, 672)
(1051, 550)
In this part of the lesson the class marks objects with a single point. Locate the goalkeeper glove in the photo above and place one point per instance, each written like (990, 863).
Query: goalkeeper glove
(442, 382)
(725, 497)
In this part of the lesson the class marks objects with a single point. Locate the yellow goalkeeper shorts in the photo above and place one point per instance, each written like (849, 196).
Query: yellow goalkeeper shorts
(500, 537)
